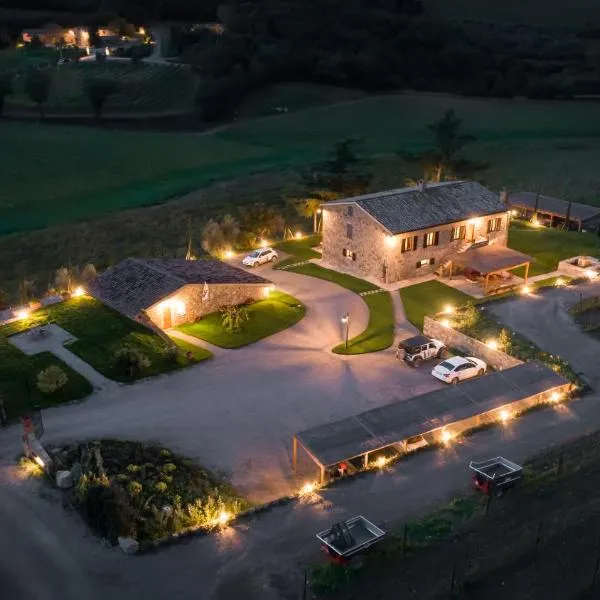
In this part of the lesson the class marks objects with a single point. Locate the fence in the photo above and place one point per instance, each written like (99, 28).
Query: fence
(455, 339)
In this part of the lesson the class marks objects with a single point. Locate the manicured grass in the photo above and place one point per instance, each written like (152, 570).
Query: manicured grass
(549, 246)
(379, 333)
(298, 250)
(101, 332)
(429, 298)
(266, 317)
(18, 376)
(198, 354)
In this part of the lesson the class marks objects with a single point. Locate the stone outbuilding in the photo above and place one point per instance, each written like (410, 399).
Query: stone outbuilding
(170, 292)
(410, 232)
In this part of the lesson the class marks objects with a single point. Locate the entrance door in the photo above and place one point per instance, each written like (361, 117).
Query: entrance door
(167, 317)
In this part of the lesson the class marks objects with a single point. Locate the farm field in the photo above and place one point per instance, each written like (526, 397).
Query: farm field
(549, 145)
(533, 12)
(144, 88)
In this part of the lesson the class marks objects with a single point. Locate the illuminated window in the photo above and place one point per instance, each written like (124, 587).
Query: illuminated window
(349, 254)
(179, 308)
(494, 224)
(458, 233)
(431, 239)
(409, 244)
(425, 262)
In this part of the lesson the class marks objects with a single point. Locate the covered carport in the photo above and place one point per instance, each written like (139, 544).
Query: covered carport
(425, 418)
(490, 260)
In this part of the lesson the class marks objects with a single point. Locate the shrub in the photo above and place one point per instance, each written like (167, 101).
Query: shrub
(134, 488)
(131, 361)
(171, 354)
(169, 467)
(504, 340)
(160, 486)
(51, 380)
(467, 317)
(232, 317)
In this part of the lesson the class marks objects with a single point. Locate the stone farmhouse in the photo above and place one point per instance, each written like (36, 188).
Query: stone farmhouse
(410, 232)
(169, 292)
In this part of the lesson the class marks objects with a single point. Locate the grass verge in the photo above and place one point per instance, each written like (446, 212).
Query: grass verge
(379, 333)
(101, 332)
(266, 317)
(298, 250)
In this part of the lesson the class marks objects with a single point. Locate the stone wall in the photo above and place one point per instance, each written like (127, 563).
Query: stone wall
(455, 339)
(578, 266)
(187, 304)
(379, 255)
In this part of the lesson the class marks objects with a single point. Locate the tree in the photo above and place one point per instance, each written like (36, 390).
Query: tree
(308, 208)
(37, 87)
(26, 290)
(444, 160)
(88, 273)
(51, 379)
(342, 175)
(131, 361)
(232, 317)
(220, 236)
(98, 90)
(259, 221)
(6, 89)
(63, 280)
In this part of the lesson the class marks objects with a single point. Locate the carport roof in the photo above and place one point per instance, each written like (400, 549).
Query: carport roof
(348, 438)
(491, 259)
(556, 206)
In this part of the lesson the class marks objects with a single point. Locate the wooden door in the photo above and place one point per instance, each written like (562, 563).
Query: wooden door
(167, 317)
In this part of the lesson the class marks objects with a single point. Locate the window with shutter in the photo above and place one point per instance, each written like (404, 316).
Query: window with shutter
(430, 239)
(350, 210)
(349, 231)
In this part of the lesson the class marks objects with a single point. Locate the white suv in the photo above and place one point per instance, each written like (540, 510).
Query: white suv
(260, 257)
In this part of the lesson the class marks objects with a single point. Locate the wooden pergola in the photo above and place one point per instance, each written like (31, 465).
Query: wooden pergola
(491, 260)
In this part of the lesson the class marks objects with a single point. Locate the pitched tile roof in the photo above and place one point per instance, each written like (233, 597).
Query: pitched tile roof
(136, 284)
(411, 209)
(553, 205)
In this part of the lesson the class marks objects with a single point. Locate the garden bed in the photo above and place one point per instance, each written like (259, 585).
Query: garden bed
(264, 318)
(587, 315)
(145, 492)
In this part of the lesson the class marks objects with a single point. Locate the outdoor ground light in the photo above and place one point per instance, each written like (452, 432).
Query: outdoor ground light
(229, 254)
(560, 282)
(448, 309)
(308, 488)
(445, 322)
(381, 462)
(555, 397)
(525, 290)
(22, 314)
(298, 235)
(447, 436)
(223, 518)
(505, 416)
(493, 344)
(591, 274)
(78, 292)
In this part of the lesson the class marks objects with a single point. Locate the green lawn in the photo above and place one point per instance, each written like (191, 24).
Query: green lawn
(549, 246)
(18, 375)
(266, 317)
(299, 250)
(101, 332)
(379, 333)
(429, 298)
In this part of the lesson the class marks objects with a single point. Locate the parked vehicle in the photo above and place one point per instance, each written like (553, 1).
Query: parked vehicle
(349, 538)
(496, 475)
(417, 349)
(260, 257)
(459, 368)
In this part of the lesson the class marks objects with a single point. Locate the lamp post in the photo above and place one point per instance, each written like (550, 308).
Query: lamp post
(346, 322)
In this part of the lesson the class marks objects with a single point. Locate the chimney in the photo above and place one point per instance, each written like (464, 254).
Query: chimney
(504, 196)
(422, 185)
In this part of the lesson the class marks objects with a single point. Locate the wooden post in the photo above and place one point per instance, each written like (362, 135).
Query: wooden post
(366, 460)
(295, 454)
(322, 475)
(526, 272)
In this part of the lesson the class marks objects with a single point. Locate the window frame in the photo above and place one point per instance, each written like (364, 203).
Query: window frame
(462, 233)
(435, 239)
(494, 225)
(349, 231)
(409, 244)
(350, 210)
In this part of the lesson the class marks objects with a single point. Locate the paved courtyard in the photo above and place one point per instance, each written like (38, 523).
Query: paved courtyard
(237, 413)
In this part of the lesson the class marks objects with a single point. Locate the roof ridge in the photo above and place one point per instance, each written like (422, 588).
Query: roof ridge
(150, 263)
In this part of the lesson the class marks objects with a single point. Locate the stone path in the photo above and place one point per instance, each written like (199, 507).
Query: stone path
(54, 341)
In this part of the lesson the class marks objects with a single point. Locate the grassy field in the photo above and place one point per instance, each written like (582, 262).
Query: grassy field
(379, 333)
(266, 317)
(144, 88)
(535, 145)
(298, 250)
(429, 298)
(559, 13)
(549, 246)
(101, 332)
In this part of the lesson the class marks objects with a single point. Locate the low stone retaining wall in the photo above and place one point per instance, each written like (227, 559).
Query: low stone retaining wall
(578, 266)
(455, 339)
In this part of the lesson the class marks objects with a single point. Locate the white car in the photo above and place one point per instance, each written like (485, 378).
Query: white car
(260, 257)
(457, 368)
